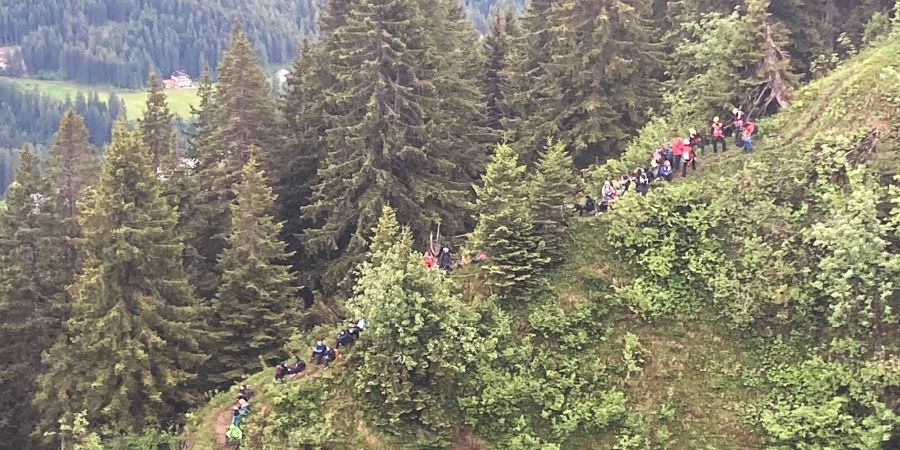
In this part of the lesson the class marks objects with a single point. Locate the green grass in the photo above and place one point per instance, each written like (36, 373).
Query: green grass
(180, 101)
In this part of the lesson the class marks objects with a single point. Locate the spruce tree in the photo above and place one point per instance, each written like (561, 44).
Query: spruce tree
(552, 188)
(505, 229)
(33, 277)
(245, 113)
(254, 304)
(496, 57)
(304, 120)
(418, 344)
(73, 166)
(157, 127)
(529, 59)
(131, 341)
(237, 115)
(600, 80)
(381, 140)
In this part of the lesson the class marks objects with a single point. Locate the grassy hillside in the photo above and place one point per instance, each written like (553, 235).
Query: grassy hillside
(180, 101)
(711, 314)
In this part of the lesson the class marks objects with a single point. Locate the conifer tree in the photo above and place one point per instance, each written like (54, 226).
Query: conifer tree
(157, 127)
(245, 113)
(254, 303)
(529, 59)
(417, 346)
(506, 229)
(385, 234)
(496, 57)
(552, 187)
(304, 118)
(131, 340)
(32, 294)
(237, 115)
(600, 81)
(382, 141)
(73, 166)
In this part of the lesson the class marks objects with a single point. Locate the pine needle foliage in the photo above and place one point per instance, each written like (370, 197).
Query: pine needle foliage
(131, 340)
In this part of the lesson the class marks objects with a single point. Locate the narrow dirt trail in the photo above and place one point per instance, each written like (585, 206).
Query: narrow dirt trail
(223, 419)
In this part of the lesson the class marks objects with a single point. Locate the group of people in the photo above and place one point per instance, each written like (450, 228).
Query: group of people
(323, 354)
(234, 434)
(676, 156)
(444, 259)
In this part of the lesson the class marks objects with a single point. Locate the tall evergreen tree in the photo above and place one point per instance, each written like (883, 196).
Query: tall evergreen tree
(506, 229)
(600, 81)
(381, 143)
(304, 117)
(245, 113)
(73, 166)
(254, 303)
(131, 339)
(496, 58)
(157, 127)
(529, 60)
(32, 295)
(418, 344)
(237, 115)
(552, 187)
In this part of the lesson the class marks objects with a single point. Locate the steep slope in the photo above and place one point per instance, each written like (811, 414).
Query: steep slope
(748, 306)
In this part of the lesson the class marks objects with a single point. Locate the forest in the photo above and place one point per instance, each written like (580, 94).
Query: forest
(27, 117)
(148, 268)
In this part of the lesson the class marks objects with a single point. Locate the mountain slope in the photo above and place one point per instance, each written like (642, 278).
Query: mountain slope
(747, 306)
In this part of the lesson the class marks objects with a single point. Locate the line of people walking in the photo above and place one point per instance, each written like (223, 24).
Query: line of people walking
(677, 156)
(234, 434)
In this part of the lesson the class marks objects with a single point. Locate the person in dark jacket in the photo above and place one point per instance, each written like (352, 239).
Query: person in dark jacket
(344, 339)
(330, 355)
(445, 259)
(641, 181)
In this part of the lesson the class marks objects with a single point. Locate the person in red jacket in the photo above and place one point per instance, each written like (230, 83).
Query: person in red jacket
(747, 136)
(717, 131)
(677, 151)
(689, 157)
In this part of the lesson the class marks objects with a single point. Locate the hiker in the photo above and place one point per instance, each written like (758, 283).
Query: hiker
(655, 162)
(234, 435)
(608, 196)
(689, 157)
(297, 367)
(589, 206)
(696, 141)
(318, 352)
(642, 181)
(243, 404)
(747, 136)
(445, 259)
(717, 130)
(361, 324)
(353, 331)
(737, 122)
(624, 184)
(246, 391)
(280, 372)
(677, 152)
(330, 355)
(481, 257)
(344, 339)
(667, 154)
(665, 171)
(428, 259)
(236, 415)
